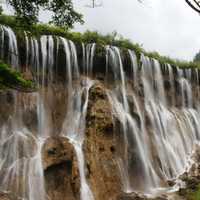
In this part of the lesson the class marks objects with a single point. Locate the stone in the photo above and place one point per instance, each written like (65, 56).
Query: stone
(100, 146)
(60, 169)
(57, 150)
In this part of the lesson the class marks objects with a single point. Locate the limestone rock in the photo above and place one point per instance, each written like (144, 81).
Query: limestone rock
(57, 150)
(100, 146)
(4, 197)
(61, 170)
(8, 196)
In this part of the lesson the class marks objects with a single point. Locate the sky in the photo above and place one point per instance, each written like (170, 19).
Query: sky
(170, 27)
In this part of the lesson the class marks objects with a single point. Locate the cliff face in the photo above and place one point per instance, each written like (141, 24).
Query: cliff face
(103, 147)
(103, 124)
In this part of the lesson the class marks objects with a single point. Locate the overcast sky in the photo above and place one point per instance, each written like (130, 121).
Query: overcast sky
(167, 26)
(170, 27)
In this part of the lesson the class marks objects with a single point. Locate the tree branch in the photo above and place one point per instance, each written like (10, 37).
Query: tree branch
(192, 6)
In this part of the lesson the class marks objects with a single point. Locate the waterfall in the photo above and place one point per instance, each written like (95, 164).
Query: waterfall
(21, 164)
(120, 108)
(164, 136)
(27, 49)
(134, 66)
(88, 57)
(74, 129)
(12, 50)
(74, 125)
(155, 112)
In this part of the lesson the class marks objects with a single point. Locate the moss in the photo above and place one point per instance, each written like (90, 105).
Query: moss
(90, 37)
(10, 78)
(193, 195)
(196, 195)
(192, 190)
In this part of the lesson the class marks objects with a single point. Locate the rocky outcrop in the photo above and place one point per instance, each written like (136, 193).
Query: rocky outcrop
(8, 196)
(100, 146)
(61, 172)
(57, 150)
(7, 100)
(192, 179)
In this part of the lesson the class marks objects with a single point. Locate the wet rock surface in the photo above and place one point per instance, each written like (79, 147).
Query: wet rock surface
(6, 99)
(100, 147)
(57, 150)
(192, 179)
(61, 172)
(8, 196)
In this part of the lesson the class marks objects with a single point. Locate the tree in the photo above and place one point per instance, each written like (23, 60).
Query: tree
(197, 57)
(64, 15)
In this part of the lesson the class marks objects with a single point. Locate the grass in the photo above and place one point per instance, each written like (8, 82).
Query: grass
(90, 37)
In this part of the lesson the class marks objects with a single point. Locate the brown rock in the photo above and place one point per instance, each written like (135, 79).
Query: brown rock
(4, 197)
(61, 172)
(57, 150)
(8, 196)
(100, 147)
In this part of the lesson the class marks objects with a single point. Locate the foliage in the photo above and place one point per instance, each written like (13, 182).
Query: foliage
(90, 37)
(63, 12)
(191, 193)
(174, 62)
(196, 195)
(1, 10)
(197, 57)
(12, 79)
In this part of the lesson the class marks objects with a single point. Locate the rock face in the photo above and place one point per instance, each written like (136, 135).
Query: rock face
(4, 197)
(8, 196)
(100, 147)
(6, 99)
(192, 179)
(61, 173)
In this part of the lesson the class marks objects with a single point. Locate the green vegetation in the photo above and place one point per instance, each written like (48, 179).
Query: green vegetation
(197, 57)
(174, 62)
(196, 195)
(89, 37)
(63, 13)
(9, 78)
(192, 194)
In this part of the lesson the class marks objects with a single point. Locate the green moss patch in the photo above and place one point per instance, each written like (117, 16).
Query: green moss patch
(9, 78)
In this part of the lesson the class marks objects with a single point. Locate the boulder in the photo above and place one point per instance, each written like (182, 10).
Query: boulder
(60, 169)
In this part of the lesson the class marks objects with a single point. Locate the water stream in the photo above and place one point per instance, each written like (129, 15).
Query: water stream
(159, 128)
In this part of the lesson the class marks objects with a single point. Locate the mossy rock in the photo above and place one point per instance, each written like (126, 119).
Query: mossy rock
(10, 78)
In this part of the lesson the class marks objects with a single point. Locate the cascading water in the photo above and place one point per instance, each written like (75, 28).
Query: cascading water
(158, 128)
(21, 166)
(12, 50)
(88, 57)
(74, 125)
(164, 136)
(74, 128)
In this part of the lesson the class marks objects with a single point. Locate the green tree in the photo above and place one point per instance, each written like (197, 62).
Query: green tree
(64, 15)
(197, 57)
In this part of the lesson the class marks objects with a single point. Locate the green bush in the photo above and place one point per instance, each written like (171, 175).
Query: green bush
(12, 79)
